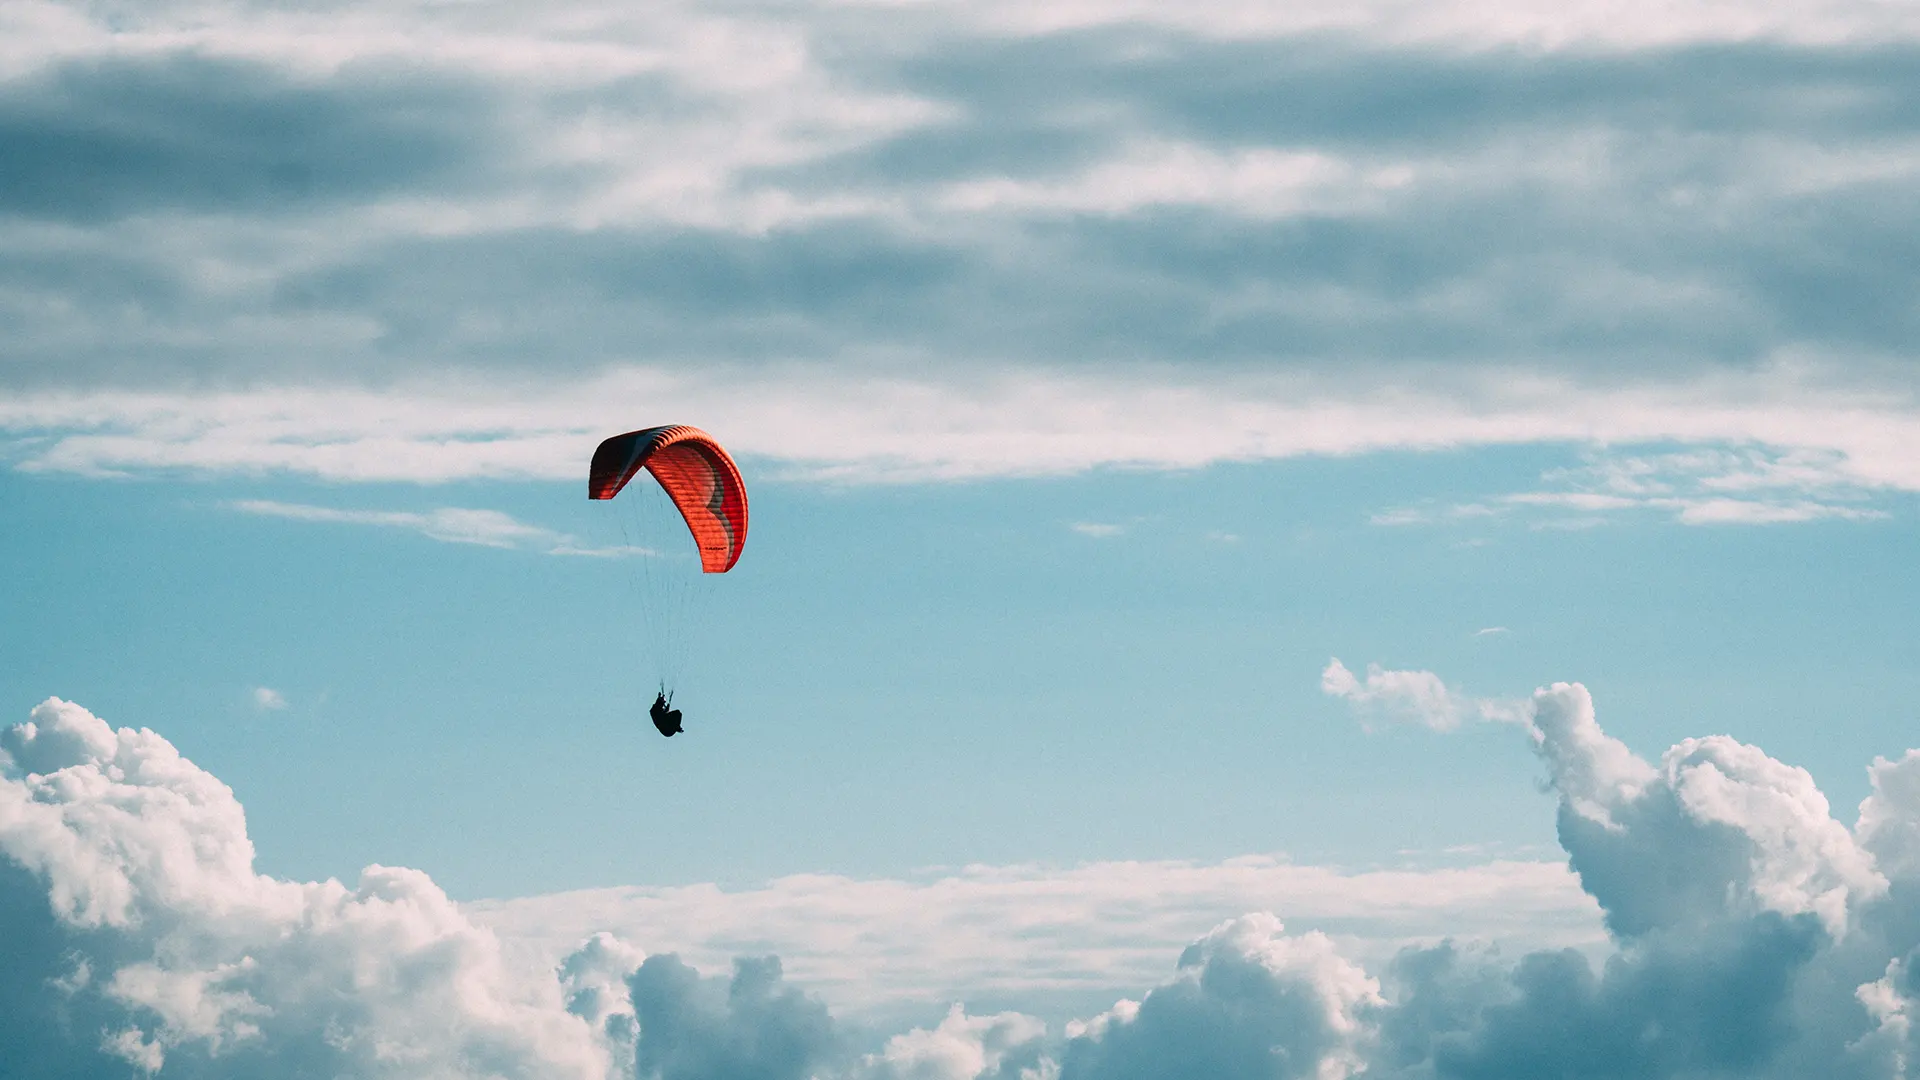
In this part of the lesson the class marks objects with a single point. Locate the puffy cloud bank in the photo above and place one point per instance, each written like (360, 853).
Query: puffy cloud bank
(1752, 935)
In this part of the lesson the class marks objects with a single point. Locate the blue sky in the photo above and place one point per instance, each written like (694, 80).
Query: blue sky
(1281, 534)
(938, 674)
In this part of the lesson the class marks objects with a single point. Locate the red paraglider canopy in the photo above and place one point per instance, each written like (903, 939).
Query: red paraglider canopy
(698, 476)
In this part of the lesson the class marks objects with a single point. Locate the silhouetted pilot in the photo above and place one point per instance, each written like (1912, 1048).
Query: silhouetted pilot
(665, 717)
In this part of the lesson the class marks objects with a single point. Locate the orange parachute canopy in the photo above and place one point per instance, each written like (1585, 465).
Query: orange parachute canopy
(699, 477)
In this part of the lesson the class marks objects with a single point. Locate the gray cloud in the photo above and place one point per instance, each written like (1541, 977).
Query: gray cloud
(1339, 90)
(1714, 1005)
(1617, 211)
(107, 137)
(44, 1030)
(751, 1027)
(1480, 201)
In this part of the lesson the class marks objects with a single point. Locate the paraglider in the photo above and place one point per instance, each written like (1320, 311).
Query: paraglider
(704, 484)
(665, 716)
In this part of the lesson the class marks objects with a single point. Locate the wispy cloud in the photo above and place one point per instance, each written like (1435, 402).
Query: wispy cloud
(1717, 486)
(1534, 24)
(1097, 530)
(1756, 512)
(1256, 184)
(1711, 485)
(844, 425)
(487, 528)
(265, 697)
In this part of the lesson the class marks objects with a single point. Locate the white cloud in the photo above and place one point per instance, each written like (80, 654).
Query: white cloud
(147, 865)
(1753, 938)
(1097, 530)
(962, 1047)
(1491, 631)
(1401, 515)
(1718, 486)
(1251, 1001)
(839, 424)
(1752, 512)
(487, 528)
(1751, 833)
(1413, 696)
(1257, 184)
(1792, 857)
(1045, 934)
(1532, 24)
(713, 49)
(265, 697)
(1743, 485)
(1889, 821)
(1887, 1001)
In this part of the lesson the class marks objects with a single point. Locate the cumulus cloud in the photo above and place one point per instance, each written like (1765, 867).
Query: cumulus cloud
(1252, 1001)
(189, 960)
(1004, 1046)
(1418, 697)
(1717, 828)
(752, 1025)
(1889, 821)
(1752, 936)
(1715, 1004)
(1755, 936)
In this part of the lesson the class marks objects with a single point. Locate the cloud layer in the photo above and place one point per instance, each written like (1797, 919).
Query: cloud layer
(857, 426)
(1047, 937)
(421, 241)
(1751, 935)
